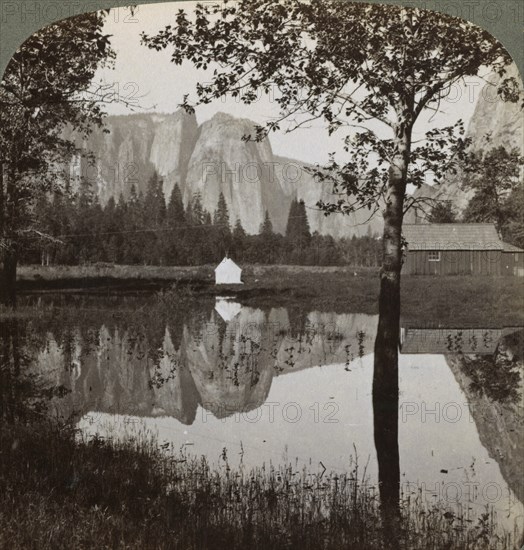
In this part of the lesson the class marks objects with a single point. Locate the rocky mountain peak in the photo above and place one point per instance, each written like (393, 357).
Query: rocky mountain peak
(494, 123)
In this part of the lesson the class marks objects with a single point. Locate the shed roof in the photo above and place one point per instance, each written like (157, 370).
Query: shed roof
(511, 248)
(452, 236)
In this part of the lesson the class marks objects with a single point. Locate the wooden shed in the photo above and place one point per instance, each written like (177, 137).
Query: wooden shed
(459, 249)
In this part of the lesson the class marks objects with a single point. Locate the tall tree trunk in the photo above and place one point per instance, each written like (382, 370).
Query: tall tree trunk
(8, 220)
(8, 276)
(385, 373)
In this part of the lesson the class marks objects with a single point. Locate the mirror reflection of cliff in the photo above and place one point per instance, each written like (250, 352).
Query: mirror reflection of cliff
(225, 365)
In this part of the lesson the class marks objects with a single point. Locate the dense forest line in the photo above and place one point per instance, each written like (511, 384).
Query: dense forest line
(145, 229)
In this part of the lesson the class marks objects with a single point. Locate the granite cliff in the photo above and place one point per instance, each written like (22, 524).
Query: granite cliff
(208, 159)
(212, 158)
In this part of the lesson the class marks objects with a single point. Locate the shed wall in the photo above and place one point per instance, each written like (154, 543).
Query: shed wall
(513, 264)
(456, 262)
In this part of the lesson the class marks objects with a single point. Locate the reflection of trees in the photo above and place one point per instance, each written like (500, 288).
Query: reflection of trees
(10, 383)
(169, 362)
(23, 394)
(490, 358)
(493, 387)
(154, 361)
(497, 376)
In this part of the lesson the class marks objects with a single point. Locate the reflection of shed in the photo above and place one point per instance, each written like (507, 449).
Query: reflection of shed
(227, 272)
(459, 248)
(478, 341)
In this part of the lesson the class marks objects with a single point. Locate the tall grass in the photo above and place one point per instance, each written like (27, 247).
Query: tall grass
(57, 491)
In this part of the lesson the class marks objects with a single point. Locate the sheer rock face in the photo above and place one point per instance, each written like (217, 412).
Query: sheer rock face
(494, 123)
(243, 171)
(502, 119)
(133, 148)
(171, 148)
(212, 158)
(209, 159)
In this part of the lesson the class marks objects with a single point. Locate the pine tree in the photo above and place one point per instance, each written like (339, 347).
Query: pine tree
(210, 253)
(222, 231)
(442, 212)
(195, 233)
(298, 234)
(301, 235)
(221, 217)
(95, 245)
(176, 232)
(120, 223)
(266, 227)
(239, 233)
(238, 241)
(291, 221)
(133, 228)
(87, 219)
(154, 213)
(155, 202)
(176, 214)
(266, 251)
(197, 210)
(62, 225)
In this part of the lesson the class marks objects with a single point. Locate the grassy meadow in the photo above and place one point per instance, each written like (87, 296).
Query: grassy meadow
(450, 301)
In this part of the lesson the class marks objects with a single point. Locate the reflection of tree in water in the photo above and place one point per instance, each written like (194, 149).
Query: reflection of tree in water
(475, 341)
(139, 358)
(492, 383)
(23, 395)
(228, 367)
(497, 376)
(298, 321)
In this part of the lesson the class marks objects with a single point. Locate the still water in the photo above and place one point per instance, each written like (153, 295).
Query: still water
(251, 386)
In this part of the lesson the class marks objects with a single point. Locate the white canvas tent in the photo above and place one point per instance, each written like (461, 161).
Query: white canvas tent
(227, 272)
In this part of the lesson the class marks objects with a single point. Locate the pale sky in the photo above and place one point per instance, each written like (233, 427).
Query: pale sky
(160, 85)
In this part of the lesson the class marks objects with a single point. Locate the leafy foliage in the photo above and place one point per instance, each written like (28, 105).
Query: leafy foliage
(442, 212)
(46, 89)
(496, 176)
